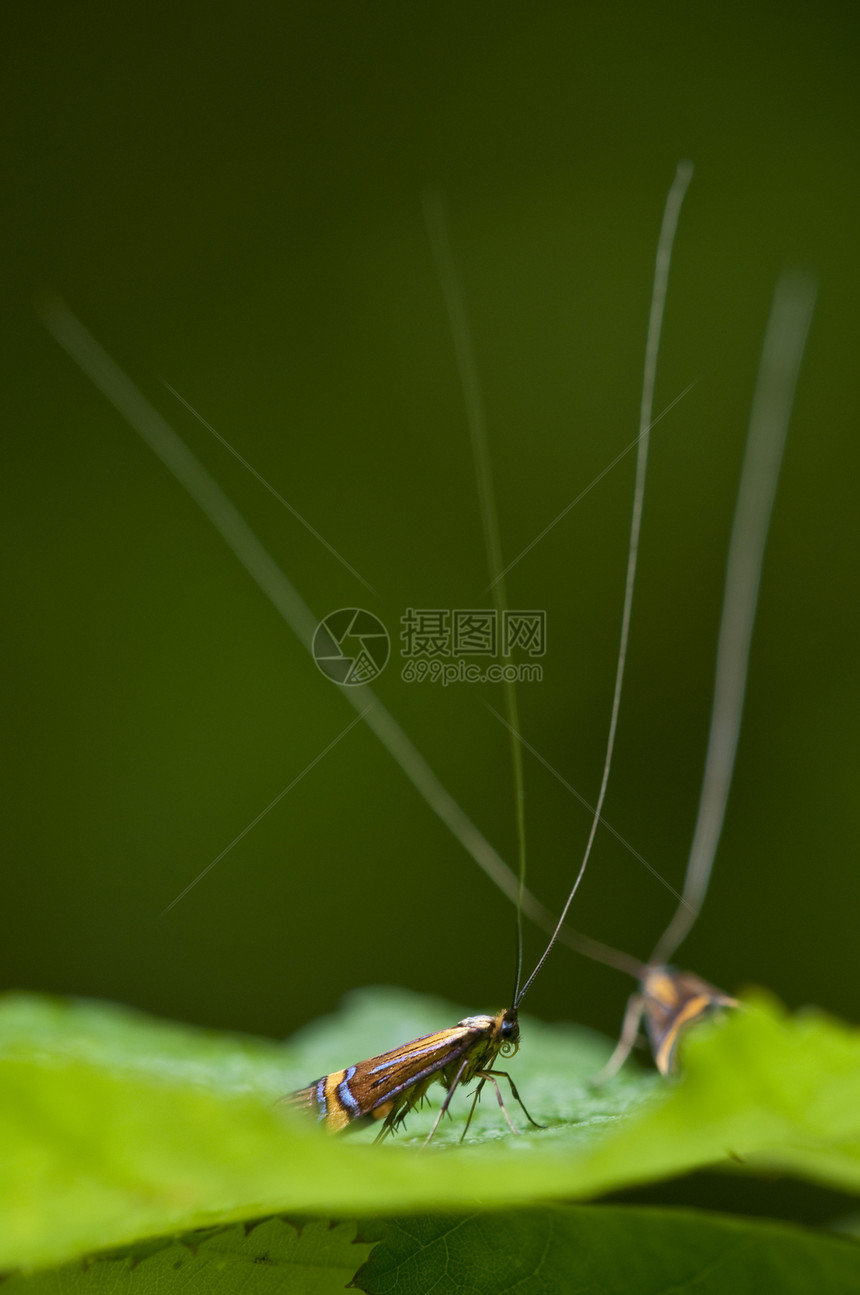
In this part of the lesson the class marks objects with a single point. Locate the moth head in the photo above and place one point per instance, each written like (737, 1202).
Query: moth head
(508, 1031)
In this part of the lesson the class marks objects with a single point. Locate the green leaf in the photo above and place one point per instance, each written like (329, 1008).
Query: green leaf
(114, 1127)
(606, 1248)
(316, 1259)
(559, 1248)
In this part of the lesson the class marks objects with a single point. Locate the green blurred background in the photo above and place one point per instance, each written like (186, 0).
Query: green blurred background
(234, 206)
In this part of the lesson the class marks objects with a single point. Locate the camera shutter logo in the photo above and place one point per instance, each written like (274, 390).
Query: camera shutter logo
(351, 646)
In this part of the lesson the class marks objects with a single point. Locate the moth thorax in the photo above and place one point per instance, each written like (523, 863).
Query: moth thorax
(483, 1024)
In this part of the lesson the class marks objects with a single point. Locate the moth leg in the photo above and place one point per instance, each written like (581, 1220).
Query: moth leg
(485, 1076)
(503, 1074)
(472, 1109)
(393, 1114)
(392, 1119)
(492, 1076)
(447, 1102)
(624, 1046)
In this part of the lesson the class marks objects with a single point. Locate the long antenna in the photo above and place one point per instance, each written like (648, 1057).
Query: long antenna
(168, 446)
(665, 243)
(75, 339)
(437, 228)
(782, 353)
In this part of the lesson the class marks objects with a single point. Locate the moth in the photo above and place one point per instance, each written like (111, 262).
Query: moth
(669, 1001)
(389, 1086)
